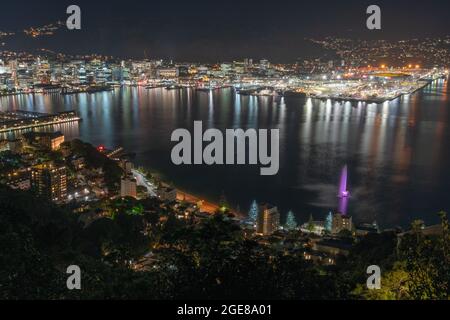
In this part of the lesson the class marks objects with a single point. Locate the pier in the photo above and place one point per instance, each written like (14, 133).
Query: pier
(20, 120)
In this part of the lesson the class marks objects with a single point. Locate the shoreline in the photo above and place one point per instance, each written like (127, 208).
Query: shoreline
(376, 100)
(44, 124)
(380, 100)
(212, 205)
(206, 206)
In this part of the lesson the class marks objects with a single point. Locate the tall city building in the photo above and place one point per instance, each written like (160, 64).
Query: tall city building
(128, 186)
(82, 75)
(127, 166)
(50, 181)
(264, 64)
(268, 220)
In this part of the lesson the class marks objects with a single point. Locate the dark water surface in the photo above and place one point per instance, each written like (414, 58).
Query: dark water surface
(398, 153)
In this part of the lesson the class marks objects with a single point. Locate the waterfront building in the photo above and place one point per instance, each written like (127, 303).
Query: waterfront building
(6, 79)
(239, 67)
(225, 69)
(202, 70)
(49, 180)
(264, 64)
(183, 70)
(268, 220)
(41, 71)
(168, 194)
(128, 186)
(125, 75)
(341, 222)
(48, 140)
(167, 73)
(82, 76)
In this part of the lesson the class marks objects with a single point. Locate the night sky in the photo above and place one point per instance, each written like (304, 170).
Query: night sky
(217, 30)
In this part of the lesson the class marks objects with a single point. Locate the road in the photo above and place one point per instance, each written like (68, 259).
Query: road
(205, 206)
(141, 180)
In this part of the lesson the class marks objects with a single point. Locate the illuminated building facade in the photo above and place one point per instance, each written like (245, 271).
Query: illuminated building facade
(168, 194)
(50, 181)
(167, 73)
(340, 223)
(268, 220)
(128, 186)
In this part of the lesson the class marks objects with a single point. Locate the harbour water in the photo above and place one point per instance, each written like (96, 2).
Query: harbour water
(397, 153)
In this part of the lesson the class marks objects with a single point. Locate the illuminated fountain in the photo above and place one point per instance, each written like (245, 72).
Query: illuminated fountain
(343, 194)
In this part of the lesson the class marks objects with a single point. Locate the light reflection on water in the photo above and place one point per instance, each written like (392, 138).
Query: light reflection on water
(397, 152)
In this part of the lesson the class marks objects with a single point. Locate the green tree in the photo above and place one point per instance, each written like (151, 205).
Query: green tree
(291, 224)
(394, 286)
(426, 258)
(254, 211)
(329, 222)
(311, 226)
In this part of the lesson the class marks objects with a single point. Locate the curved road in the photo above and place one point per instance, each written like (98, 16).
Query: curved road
(141, 180)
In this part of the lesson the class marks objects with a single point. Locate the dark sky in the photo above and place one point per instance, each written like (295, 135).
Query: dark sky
(218, 30)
